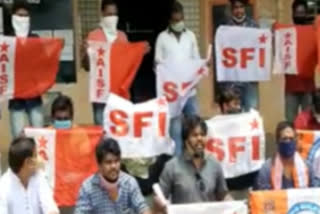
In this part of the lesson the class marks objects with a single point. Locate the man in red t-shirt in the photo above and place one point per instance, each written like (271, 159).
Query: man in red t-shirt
(310, 119)
(299, 87)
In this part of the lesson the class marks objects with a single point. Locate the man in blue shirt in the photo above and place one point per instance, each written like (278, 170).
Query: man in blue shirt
(110, 190)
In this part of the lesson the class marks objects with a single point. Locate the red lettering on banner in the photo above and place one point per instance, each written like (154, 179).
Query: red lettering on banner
(99, 92)
(262, 56)
(162, 124)
(215, 146)
(246, 55)
(100, 72)
(235, 148)
(42, 147)
(230, 59)
(255, 148)
(288, 45)
(101, 52)
(121, 127)
(139, 123)
(170, 90)
(100, 62)
(100, 83)
(4, 78)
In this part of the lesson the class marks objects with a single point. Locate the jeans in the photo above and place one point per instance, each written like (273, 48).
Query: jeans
(248, 91)
(98, 110)
(294, 101)
(17, 119)
(190, 108)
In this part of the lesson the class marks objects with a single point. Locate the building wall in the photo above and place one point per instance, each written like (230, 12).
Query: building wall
(198, 19)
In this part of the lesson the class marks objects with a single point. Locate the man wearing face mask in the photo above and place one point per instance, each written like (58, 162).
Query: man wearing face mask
(62, 113)
(110, 190)
(20, 21)
(248, 90)
(107, 32)
(23, 188)
(178, 43)
(310, 118)
(299, 88)
(193, 177)
(286, 169)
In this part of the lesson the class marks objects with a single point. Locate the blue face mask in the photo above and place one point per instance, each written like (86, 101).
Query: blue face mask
(287, 149)
(62, 124)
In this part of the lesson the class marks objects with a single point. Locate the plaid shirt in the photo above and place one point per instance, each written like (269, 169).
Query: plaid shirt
(93, 199)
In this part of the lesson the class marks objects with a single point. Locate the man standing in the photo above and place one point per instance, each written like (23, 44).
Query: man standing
(23, 188)
(193, 177)
(177, 43)
(110, 190)
(299, 88)
(20, 21)
(248, 90)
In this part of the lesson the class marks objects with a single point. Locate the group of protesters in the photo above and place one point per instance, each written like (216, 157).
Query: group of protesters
(189, 175)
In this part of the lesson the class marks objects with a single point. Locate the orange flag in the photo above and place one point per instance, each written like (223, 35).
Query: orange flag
(28, 67)
(69, 157)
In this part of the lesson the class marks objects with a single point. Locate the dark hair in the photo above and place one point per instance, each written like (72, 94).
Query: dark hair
(62, 103)
(244, 2)
(227, 96)
(190, 123)
(298, 3)
(20, 149)
(21, 4)
(105, 146)
(281, 126)
(176, 7)
(316, 100)
(106, 3)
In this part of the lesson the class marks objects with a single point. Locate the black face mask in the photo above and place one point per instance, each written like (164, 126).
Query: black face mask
(298, 20)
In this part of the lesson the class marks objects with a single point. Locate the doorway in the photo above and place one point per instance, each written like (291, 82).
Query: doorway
(143, 20)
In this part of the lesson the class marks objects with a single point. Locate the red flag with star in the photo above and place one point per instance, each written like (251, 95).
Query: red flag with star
(68, 157)
(28, 66)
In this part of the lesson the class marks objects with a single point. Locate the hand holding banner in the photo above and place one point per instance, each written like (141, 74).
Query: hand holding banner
(141, 129)
(238, 142)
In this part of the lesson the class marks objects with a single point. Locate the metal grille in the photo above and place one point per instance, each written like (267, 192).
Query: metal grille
(88, 15)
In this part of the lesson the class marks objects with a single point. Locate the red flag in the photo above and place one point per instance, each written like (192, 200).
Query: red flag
(28, 66)
(113, 68)
(307, 53)
(69, 157)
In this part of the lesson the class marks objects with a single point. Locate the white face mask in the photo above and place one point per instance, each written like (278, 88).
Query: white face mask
(178, 27)
(109, 24)
(239, 20)
(317, 117)
(21, 25)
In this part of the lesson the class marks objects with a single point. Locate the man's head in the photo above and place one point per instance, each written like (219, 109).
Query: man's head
(316, 105)
(238, 10)
(20, 19)
(23, 156)
(286, 139)
(230, 102)
(109, 8)
(177, 18)
(108, 156)
(62, 112)
(300, 12)
(194, 132)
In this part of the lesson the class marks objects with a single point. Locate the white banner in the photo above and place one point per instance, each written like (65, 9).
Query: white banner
(46, 141)
(99, 55)
(286, 51)
(176, 80)
(232, 207)
(243, 54)
(238, 142)
(141, 129)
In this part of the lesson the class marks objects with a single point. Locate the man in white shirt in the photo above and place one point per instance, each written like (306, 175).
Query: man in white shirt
(179, 44)
(23, 189)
